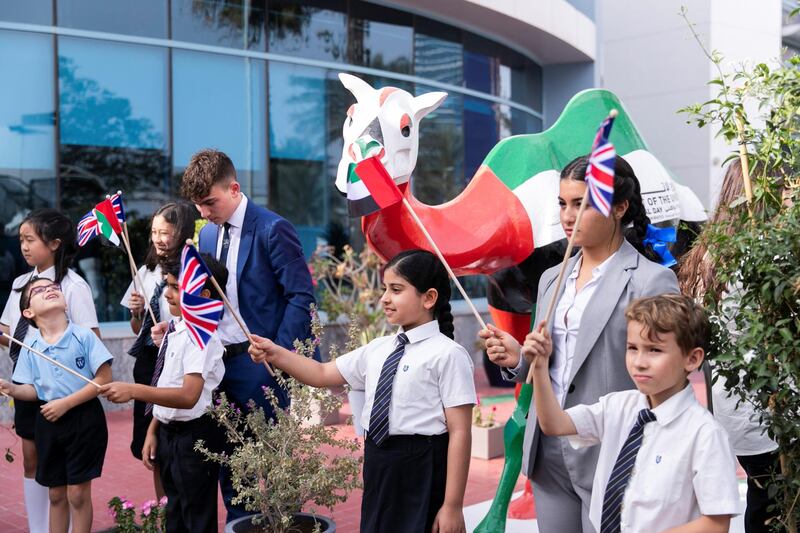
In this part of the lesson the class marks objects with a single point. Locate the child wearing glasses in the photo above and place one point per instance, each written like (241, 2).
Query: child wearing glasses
(70, 429)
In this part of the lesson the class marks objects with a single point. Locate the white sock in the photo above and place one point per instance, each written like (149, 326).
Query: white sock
(37, 506)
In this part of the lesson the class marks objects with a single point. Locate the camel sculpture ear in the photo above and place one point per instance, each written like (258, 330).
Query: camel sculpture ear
(425, 103)
(360, 89)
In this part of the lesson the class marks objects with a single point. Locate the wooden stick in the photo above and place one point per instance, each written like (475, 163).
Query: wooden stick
(49, 359)
(748, 186)
(444, 262)
(567, 254)
(136, 277)
(236, 317)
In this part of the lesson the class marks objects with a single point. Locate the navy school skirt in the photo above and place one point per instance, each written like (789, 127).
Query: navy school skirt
(404, 483)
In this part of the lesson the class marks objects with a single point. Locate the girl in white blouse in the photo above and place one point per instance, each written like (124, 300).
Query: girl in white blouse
(48, 243)
(172, 224)
(419, 396)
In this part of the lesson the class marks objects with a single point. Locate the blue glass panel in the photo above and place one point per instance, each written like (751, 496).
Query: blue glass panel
(296, 109)
(381, 37)
(112, 94)
(143, 17)
(27, 141)
(480, 133)
(29, 11)
(230, 23)
(438, 52)
(218, 101)
(316, 30)
(522, 122)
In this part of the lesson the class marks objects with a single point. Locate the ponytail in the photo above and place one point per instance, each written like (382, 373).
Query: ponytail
(626, 187)
(51, 225)
(424, 271)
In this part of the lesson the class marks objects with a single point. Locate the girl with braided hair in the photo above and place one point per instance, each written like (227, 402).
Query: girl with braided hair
(588, 331)
(419, 396)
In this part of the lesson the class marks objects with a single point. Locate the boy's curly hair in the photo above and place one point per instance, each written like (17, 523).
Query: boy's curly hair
(207, 168)
(672, 313)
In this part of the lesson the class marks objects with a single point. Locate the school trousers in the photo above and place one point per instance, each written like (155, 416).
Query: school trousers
(404, 483)
(190, 481)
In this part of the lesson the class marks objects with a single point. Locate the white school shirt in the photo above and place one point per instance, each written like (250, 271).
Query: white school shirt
(567, 324)
(434, 373)
(150, 280)
(685, 467)
(184, 357)
(77, 294)
(229, 330)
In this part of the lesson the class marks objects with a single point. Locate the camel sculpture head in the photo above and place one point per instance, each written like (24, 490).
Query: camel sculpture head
(383, 122)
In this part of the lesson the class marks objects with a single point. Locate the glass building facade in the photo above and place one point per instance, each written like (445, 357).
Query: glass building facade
(106, 95)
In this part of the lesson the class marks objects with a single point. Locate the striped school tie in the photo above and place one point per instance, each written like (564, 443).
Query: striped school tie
(621, 474)
(20, 332)
(162, 353)
(379, 416)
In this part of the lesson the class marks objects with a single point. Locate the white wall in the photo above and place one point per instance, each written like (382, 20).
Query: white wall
(649, 58)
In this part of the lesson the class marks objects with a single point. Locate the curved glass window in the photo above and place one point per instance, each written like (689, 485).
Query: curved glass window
(316, 30)
(218, 102)
(143, 17)
(231, 23)
(27, 141)
(381, 37)
(438, 52)
(29, 11)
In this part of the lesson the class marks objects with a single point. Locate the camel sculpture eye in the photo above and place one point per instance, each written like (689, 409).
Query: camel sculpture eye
(405, 125)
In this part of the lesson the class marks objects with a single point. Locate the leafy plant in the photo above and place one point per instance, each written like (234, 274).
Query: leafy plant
(755, 253)
(152, 515)
(350, 286)
(483, 421)
(279, 465)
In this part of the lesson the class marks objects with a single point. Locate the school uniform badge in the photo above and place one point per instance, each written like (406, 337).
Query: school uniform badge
(405, 368)
(80, 362)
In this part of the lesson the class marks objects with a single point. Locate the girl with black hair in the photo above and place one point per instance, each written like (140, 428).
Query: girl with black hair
(419, 397)
(47, 240)
(171, 225)
(588, 331)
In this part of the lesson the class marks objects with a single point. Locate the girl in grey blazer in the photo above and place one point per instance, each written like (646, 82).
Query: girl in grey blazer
(589, 335)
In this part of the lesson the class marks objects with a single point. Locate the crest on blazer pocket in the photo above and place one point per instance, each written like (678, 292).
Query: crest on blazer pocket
(80, 362)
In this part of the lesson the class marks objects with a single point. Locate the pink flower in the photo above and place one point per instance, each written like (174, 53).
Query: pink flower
(163, 501)
(478, 396)
(147, 506)
(127, 505)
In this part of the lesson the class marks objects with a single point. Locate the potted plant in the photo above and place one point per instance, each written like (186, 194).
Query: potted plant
(152, 516)
(283, 464)
(487, 434)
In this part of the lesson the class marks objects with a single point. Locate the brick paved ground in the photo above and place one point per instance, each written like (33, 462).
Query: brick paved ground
(124, 476)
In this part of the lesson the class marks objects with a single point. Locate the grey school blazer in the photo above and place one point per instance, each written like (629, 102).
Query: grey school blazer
(598, 366)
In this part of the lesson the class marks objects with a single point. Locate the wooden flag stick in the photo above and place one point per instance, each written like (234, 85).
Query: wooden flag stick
(236, 317)
(49, 359)
(125, 229)
(444, 262)
(136, 277)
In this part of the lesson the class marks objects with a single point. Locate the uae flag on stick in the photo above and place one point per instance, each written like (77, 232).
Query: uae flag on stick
(99, 221)
(370, 188)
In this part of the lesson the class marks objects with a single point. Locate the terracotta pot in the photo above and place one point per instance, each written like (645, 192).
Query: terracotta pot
(245, 525)
(487, 443)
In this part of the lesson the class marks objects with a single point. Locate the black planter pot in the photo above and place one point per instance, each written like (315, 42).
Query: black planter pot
(244, 524)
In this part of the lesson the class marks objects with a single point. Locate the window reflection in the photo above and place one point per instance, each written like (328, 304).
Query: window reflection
(218, 101)
(381, 37)
(27, 141)
(231, 23)
(438, 52)
(113, 113)
(143, 17)
(480, 132)
(29, 11)
(316, 30)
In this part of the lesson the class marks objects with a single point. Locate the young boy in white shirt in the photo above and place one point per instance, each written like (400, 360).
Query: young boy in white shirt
(665, 464)
(179, 401)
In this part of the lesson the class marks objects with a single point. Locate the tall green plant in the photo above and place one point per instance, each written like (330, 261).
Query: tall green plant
(756, 254)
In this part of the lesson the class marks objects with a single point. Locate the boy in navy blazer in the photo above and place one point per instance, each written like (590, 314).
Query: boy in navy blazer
(270, 284)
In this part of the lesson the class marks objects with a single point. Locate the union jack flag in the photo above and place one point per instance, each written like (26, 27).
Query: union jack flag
(87, 228)
(119, 207)
(201, 316)
(194, 271)
(600, 172)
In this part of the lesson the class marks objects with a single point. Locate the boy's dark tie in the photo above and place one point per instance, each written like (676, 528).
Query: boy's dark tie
(621, 474)
(144, 338)
(379, 416)
(226, 244)
(162, 353)
(19, 333)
